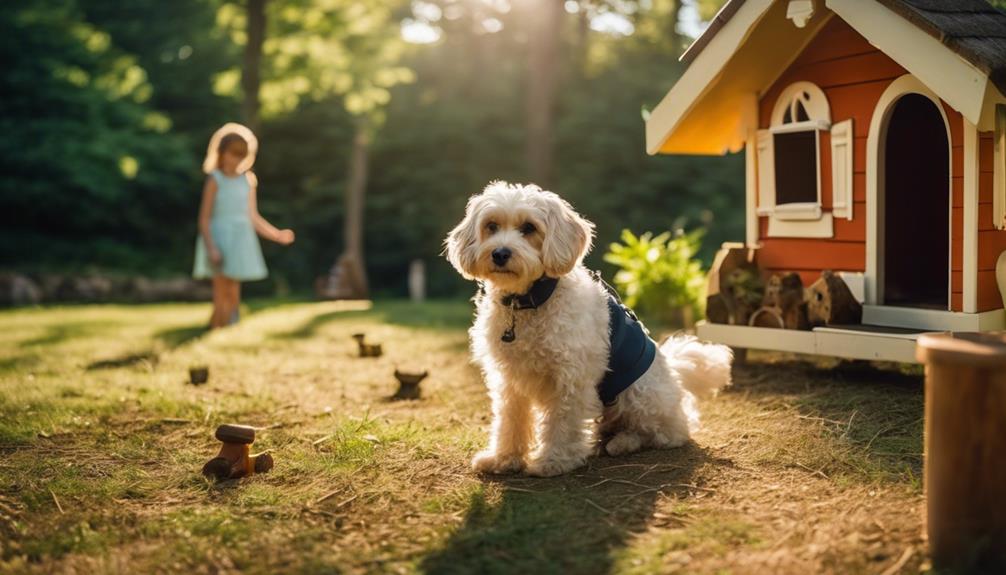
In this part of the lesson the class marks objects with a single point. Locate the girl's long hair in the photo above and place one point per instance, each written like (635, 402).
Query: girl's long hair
(211, 162)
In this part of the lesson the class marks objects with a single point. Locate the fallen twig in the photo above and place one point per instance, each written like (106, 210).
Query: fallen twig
(598, 507)
(318, 442)
(661, 488)
(909, 551)
(812, 470)
(56, 500)
(521, 489)
(328, 495)
(347, 502)
(824, 419)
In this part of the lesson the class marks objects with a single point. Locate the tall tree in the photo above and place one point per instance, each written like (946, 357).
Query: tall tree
(318, 49)
(544, 28)
(251, 70)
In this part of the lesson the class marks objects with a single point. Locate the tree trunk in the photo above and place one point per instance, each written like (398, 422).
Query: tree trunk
(348, 277)
(677, 39)
(251, 74)
(545, 23)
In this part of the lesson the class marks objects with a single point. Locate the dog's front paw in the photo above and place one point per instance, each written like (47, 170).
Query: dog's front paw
(497, 464)
(623, 443)
(552, 467)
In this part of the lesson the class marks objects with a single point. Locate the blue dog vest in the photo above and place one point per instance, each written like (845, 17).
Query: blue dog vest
(632, 350)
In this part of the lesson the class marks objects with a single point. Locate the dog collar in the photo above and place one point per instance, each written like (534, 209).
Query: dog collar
(536, 295)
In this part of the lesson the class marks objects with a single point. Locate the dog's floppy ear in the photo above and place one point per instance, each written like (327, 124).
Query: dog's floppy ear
(567, 239)
(459, 246)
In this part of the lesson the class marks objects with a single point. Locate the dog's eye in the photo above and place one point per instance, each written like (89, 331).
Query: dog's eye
(493, 227)
(527, 228)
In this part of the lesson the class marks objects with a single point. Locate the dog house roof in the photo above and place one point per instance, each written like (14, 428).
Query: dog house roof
(972, 31)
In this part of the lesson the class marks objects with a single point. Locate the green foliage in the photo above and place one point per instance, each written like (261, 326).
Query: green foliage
(107, 108)
(660, 276)
(83, 153)
(318, 49)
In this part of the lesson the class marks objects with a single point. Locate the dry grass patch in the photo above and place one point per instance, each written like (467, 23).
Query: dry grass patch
(800, 467)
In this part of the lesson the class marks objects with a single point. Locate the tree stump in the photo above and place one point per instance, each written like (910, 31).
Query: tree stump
(965, 439)
(830, 302)
(346, 280)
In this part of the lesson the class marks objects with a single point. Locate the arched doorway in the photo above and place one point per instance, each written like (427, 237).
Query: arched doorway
(915, 223)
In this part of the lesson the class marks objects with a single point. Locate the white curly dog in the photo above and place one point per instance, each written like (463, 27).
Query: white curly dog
(543, 338)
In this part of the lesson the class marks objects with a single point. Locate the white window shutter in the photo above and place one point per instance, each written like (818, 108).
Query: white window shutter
(999, 170)
(841, 169)
(766, 172)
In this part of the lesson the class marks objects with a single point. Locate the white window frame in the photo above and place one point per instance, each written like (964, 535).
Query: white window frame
(999, 169)
(800, 219)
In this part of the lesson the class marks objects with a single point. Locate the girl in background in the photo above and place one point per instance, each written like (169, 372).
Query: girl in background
(228, 250)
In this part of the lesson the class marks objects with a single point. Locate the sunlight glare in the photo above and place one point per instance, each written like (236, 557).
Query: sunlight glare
(416, 32)
(612, 23)
(492, 25)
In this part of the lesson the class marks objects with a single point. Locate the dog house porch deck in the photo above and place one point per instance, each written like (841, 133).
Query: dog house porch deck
(870, 342)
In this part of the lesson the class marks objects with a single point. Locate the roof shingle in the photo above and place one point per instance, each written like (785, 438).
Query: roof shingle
(973, 29)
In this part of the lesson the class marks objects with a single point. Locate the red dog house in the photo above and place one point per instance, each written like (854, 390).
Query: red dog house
(874, 137)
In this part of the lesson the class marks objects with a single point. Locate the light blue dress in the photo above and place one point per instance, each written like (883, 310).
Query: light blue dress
(233, 233)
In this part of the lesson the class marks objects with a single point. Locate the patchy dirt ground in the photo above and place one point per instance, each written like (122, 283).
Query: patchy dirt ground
(801, 467)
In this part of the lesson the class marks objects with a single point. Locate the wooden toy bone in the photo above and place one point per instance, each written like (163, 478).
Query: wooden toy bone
(367, 349)
(235, 460)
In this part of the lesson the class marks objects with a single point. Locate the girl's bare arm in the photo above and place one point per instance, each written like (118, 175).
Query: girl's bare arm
(262, 225)
(205, 213)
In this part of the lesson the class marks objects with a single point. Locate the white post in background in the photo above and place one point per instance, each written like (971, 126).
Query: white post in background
(417, 281)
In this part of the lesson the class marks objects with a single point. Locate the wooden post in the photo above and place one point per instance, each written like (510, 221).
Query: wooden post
(965, 453)
(417, 281)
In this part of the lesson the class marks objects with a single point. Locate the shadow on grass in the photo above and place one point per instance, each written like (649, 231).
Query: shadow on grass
(19, 362)
(434, 315)
(169, 338)
(872, 413)
(572, 524)
(179, 336)
(63, 332)
(149, 358)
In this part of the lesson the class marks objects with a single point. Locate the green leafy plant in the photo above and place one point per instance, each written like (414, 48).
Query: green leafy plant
(660, 276)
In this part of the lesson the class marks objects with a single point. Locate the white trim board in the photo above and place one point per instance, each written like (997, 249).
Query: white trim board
(934, 319)
(792, 340)
(819, 228)
(956, 80)
(751, 191)
(701, 74)
(875, 175)
(970, 223)
(835, 342)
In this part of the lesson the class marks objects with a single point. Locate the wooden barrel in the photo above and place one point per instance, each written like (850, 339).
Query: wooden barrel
(965, 453)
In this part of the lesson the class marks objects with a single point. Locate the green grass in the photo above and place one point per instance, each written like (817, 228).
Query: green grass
(102, 439)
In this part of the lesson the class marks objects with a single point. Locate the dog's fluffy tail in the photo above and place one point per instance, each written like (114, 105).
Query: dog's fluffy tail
(704, 367)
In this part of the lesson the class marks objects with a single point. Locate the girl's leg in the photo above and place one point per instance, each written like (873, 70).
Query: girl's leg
(235, 303)
(219, 301)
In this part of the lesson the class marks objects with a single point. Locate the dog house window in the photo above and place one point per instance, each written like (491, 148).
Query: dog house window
(789, 163)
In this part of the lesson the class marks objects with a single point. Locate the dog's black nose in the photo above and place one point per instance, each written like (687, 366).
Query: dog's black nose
(501, 256)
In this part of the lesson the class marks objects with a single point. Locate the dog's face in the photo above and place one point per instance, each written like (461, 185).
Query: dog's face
(511, 235)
